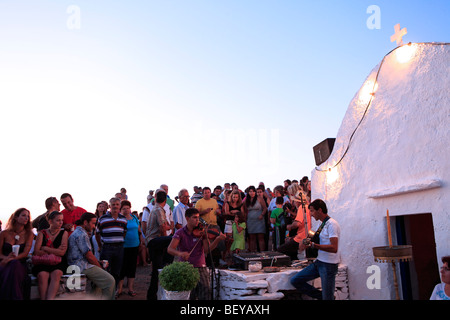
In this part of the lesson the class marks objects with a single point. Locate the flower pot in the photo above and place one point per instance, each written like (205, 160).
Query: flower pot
(177, 295)
(178, 279)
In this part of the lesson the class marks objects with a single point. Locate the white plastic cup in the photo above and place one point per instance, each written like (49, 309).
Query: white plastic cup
(15, 249)
(104, 263)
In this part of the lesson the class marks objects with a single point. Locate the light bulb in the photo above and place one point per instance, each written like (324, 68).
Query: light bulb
(405, 53)
(367, 91)
(332, 175)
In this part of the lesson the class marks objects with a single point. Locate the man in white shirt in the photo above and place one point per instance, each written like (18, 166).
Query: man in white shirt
(179, 218)
(148, 209)
(226, 187)
(326, 264)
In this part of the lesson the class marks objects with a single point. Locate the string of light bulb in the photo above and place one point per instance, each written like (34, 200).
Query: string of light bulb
(403, 58)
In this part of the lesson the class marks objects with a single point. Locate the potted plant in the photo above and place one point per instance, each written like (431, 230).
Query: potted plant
(178, 279)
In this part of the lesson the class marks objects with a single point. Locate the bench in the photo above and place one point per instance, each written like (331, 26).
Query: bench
(64, 288)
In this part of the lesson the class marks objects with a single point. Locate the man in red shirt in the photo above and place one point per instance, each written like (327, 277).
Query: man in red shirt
(71, 213)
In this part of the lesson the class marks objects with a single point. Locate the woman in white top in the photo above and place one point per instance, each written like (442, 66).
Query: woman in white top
(442, 290)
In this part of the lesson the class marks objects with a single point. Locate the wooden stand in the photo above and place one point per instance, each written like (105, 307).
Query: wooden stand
(392, 254)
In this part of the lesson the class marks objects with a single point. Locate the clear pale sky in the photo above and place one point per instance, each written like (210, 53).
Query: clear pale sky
(99, 95)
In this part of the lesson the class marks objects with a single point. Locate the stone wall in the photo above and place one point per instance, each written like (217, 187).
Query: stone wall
(246, 285)
(63, 287)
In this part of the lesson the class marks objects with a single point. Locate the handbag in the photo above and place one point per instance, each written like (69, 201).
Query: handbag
(49, 259)
(46, 259)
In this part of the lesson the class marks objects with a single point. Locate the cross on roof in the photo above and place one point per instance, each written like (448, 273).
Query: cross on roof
(398, 35)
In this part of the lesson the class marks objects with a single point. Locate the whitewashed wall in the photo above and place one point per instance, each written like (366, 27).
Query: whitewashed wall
(399, 159)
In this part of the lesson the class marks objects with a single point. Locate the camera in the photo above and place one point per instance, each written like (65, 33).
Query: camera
(287, 206)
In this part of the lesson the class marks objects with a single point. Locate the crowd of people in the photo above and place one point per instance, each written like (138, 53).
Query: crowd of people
(242, 219)
(205, 229)
(107, 245)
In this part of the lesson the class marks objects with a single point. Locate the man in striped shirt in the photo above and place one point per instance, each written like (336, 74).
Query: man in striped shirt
(110, 235)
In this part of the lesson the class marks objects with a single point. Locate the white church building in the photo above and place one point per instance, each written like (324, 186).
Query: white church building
(392, 152)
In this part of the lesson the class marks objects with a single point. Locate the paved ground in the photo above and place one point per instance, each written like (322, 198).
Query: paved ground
(141, 284)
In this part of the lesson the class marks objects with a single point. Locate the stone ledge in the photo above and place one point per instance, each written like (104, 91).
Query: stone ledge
(246, 285)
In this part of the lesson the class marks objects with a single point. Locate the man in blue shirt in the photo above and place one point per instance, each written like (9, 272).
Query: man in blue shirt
(79, 254)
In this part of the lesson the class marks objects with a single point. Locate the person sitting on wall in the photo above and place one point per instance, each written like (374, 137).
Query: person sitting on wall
(326, 264)
(80, 255)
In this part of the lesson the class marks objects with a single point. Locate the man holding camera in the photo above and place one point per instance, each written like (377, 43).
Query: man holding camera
(297, 232)
(326, 264)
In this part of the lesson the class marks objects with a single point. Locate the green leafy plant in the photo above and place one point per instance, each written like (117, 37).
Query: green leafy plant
(179, 276)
